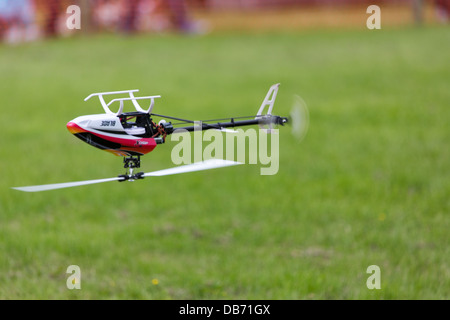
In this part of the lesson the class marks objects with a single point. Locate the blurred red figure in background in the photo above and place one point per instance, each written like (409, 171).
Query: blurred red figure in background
(52, 9)
(178, 14)
(443, 10)
(130, 11)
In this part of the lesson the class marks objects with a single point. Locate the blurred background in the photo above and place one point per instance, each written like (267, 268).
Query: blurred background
(28, 20)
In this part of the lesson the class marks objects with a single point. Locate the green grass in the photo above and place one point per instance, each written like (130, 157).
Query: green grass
(369, 184)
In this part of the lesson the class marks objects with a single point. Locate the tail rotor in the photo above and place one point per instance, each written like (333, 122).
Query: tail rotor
(299, 118)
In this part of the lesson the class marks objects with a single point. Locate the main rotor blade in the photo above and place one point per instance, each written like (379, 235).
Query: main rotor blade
(196, 166)
(46, 187)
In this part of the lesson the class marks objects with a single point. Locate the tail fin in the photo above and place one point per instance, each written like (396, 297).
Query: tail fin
(269, 100)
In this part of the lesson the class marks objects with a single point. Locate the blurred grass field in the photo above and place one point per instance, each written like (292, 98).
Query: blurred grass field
(369, 184)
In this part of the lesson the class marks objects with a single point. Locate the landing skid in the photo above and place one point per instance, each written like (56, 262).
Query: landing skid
(130, 164)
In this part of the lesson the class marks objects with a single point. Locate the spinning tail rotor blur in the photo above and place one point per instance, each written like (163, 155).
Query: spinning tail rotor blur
(299, 118)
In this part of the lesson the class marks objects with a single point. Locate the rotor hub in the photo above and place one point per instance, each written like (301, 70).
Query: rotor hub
(130, 163)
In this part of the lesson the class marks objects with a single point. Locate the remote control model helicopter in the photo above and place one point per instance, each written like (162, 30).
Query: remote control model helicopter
(134, 134)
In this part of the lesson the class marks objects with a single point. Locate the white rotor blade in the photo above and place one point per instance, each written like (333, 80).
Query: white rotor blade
(197, 166)
(46, 187)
